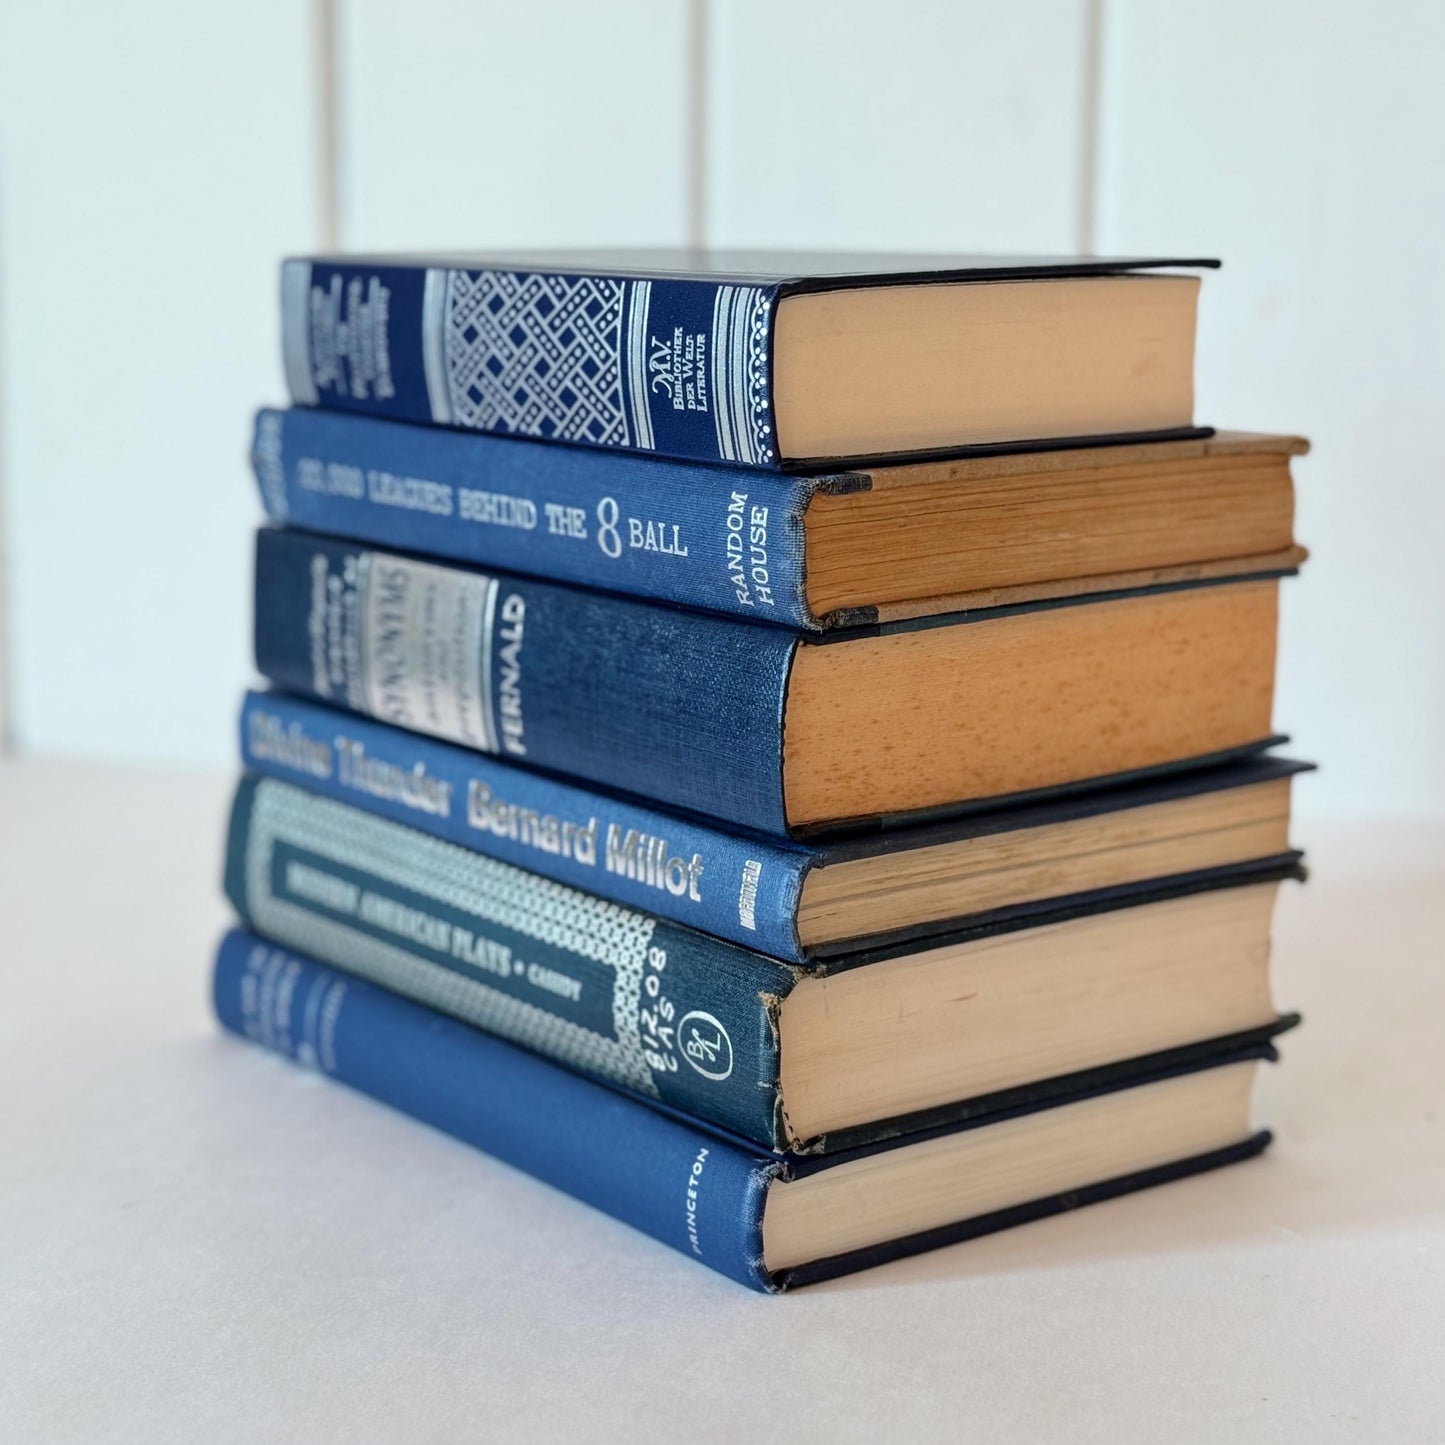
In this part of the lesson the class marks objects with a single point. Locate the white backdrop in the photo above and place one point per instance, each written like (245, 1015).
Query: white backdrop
(157, 158)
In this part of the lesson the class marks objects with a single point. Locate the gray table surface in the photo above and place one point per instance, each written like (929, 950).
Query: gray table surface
(199, 1242)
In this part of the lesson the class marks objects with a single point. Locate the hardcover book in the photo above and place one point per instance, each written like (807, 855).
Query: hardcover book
(796, 901)
(838, 549)
(762, 360)
(773, 730)
(803, 1057)
(768, 1221)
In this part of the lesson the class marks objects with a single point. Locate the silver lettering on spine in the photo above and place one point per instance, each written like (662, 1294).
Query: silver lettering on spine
(426, 649)
(509, 682)
(640, 414)
(742, 414)
(694, 1182)
(748, 894)
(270, 472)
(296, 331)
(433, 342)
(268, 739)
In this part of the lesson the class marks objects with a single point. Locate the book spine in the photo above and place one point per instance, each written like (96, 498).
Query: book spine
(684, 1187)
(646, 1005)
(721, 539)
(674, 366)
(740, 888)
(680, 707)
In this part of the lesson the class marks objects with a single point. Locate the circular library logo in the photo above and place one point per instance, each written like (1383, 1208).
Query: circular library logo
(705, 1045)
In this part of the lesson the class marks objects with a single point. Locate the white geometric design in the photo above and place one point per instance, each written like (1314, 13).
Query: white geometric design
(488, 890)
(537, 355)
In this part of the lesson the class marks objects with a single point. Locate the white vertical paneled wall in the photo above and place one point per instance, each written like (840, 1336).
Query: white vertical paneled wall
(157, 158)
(1303, 144)
(936, 125)
(550, 123)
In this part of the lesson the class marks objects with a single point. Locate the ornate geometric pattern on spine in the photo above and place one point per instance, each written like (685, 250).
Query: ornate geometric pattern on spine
(490, 891)
(537, 355)
(743, 411)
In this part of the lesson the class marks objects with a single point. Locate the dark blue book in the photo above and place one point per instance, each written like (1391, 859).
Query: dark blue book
(762, 360)
(768, 1221)
(805, 1057)
(775, 731)
(815, 552)
(794, 900)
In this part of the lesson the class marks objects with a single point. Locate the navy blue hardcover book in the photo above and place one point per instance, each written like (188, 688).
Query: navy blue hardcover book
(793, 900)
(782, 549)
(808, 1057)
(761, 360)
(768, 1221)
(773, 730)
(724, 539)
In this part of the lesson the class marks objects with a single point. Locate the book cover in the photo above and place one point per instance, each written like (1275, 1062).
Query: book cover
(720, 539)
(639, 1002)
(697, 1190)
(733, 884)
(665, 352)
(682, 707)
(724, 539)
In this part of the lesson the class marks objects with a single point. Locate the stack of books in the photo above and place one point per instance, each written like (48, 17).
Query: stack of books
(778, 749)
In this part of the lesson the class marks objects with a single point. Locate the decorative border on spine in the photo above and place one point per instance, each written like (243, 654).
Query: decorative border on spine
(489, 617)
(433, 342)
(742, 414)
(296, 331)
(636, 352)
